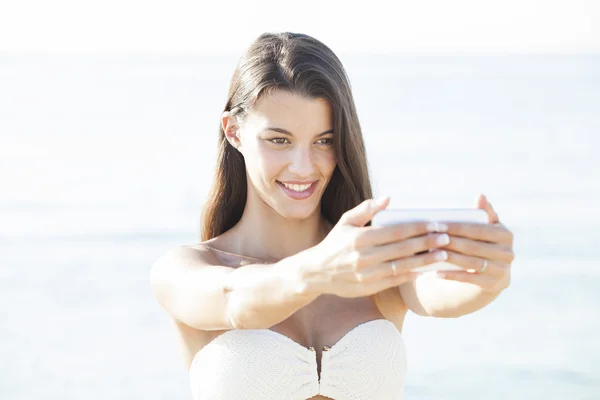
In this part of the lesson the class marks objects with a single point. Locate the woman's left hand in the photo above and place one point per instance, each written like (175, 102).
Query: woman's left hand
(485, 251)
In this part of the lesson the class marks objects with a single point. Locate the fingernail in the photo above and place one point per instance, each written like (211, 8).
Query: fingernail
(437, 227)
(441, 256)
(443, 239)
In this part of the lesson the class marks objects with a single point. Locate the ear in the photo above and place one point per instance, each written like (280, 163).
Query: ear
(231, 128)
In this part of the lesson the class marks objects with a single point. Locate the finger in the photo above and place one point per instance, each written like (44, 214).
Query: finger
(379, 235)
(403, 266)
(484, 204)
(364, 212)
(405, 248)
(470, 247)
(474, 264)
(483, 232)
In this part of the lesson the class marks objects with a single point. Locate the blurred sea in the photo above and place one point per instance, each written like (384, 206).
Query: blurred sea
(105, 162)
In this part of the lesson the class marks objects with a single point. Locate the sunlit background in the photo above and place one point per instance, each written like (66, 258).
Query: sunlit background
(108, 125)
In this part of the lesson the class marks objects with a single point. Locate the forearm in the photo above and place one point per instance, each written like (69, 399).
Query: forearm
(451, 299)
(260, 296)
(467, 301)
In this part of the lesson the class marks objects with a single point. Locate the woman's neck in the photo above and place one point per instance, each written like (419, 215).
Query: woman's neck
(265, 234)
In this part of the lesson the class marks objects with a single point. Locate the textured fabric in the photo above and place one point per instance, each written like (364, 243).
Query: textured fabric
(369, 362)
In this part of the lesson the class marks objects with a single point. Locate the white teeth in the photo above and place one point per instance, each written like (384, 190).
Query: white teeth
(297, 188)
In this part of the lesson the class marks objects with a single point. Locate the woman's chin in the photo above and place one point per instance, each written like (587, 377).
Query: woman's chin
(297, 212)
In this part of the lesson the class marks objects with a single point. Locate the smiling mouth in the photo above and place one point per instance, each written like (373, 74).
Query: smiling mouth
(297, 187)
(298, 191)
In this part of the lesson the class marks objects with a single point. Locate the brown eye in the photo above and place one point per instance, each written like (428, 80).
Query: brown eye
(326, 141)
(278, 140)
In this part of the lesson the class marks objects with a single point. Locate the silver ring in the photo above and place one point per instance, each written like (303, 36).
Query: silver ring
(484, 266)
(394, 267)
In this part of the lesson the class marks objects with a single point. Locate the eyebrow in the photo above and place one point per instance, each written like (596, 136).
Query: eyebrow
(285, 132)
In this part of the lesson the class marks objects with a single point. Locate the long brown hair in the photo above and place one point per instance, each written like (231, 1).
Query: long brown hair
(302, 65)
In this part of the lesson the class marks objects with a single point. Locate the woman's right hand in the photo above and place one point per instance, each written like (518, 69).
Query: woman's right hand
(355, 260)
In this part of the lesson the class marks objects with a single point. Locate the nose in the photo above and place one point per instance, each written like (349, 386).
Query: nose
(302, 162)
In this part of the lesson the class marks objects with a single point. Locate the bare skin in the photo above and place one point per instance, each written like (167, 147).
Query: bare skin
(283, 267)
(321, 323)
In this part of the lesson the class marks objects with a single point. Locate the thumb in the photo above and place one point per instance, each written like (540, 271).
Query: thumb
(364, 212)
(484, 204)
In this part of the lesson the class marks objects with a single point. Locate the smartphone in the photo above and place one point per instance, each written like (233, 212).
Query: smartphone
(395, 216)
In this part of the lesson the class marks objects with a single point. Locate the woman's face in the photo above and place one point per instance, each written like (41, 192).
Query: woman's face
(287, 143)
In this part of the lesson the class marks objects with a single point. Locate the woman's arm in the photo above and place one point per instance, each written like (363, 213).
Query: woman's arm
(485, 250)
(428, 296)
(196, 291)
(352, 261)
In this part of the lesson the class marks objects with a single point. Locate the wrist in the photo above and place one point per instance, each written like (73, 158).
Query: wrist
(298, 274)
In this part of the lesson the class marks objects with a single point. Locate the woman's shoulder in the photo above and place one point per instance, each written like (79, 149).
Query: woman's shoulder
(185, 255)
(218, 252)
(204, 248)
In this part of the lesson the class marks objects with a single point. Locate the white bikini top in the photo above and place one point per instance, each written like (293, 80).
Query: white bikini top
(369, 362)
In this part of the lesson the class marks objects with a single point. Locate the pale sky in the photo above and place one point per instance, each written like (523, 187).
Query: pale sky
(184, 26)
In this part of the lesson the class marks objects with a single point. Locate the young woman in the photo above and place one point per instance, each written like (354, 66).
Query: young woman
(292, 294)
